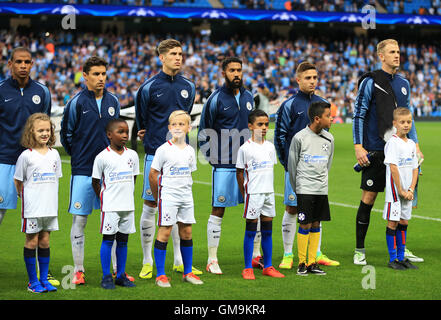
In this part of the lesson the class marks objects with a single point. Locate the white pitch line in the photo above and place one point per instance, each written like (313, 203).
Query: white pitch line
(337, 204)
(331, 203)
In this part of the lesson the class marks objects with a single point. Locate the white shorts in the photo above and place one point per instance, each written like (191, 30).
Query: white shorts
(259, 204)
(394, 211)
(35, 225)
(117, 221)
(171, 213)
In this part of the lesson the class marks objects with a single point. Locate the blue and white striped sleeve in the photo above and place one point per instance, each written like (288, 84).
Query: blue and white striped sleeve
(208, 116)
(361, 107)
(192, 95)
(281, 129)
(117, 105)
(141, 100)
(47, 102)
(68, 124)
(412, 133)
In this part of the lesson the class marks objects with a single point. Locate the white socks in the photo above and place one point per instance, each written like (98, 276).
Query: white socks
(213, 236)
(289, 224)
(320, 240)
(257, 241)
(177, 258)
(2, 214)
(147, 232)
(77, 239)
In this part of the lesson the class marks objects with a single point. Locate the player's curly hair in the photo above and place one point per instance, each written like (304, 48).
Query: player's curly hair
(28, 138)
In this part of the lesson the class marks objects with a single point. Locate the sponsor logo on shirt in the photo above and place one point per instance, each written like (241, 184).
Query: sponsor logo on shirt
(315, 159)
(124, 176)
(45, 177)
(404, 162)
(179, 171)
(256, 165)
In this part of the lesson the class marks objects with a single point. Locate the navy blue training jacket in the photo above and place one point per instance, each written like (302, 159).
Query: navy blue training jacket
(155, 100)
(83, 133)
(364, 125)
(15, 108)
(224, 126)
(292, 117)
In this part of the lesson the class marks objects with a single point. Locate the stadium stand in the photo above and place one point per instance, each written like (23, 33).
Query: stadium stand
(58, 59)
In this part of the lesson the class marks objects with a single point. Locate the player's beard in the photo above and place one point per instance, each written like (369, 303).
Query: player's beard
(232, 84)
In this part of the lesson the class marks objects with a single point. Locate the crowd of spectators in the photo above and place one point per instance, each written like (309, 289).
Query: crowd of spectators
(132, 59)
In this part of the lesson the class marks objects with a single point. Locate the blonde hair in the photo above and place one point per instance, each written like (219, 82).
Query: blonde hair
(176, 113)
(401, 111)
(382, 44)
(28, 138)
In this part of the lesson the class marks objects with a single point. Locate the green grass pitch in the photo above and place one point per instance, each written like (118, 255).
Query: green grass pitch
(346, 282)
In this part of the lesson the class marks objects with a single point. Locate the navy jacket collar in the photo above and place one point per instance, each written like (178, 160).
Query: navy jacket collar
(302, 94)
(388, 75)
(14, 82)
(230, 91)
(91, 94)
(167, 77)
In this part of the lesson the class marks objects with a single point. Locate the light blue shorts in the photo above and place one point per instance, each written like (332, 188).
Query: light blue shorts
(290, 196)
(147, 192)
(83, 199)
(225, 190)
(8, 193)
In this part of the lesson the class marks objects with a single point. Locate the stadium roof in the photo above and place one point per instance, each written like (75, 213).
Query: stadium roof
(218, 14)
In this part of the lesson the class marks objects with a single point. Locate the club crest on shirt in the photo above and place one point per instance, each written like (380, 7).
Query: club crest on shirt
(403, 91)
(184, 94)
(252, 212)
(36, 99)
(370, 183)
(148, 192)
(130, 163)
(291, 197)
(249, 106)
(77, 205)
(111, 111)
(221, 199)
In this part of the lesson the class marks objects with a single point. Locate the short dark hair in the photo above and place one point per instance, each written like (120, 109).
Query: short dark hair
(93, 62)
(112, 124)
(19, 49)
(166, 45)
(229, 60)
(304, 66)
(316, 109)
(255, 114)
